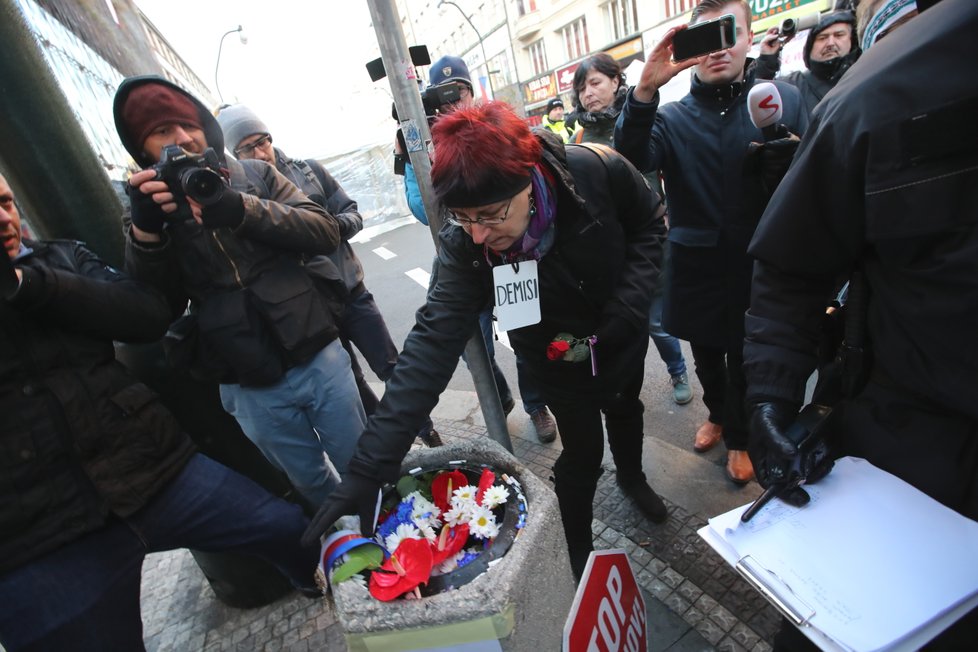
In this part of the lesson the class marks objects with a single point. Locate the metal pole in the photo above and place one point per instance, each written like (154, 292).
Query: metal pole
(482, 46)
(217, 66)
(407, 99)
(44, 154)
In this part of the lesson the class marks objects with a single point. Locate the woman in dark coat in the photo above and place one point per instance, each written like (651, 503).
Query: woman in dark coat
(581, 228)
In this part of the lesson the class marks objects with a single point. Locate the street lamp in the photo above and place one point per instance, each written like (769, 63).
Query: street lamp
(481, 44)
(217, 66)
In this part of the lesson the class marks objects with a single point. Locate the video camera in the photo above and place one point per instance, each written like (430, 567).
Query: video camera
(790, 26)
(189, 175)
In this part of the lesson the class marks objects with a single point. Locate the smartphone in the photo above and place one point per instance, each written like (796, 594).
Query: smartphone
(704, 38)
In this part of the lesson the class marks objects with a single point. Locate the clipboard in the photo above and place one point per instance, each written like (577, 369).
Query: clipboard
(765, 557)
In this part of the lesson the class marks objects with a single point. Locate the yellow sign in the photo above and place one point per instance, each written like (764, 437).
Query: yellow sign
(768, 13)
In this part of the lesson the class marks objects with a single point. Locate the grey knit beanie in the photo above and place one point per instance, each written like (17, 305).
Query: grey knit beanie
(238, 122)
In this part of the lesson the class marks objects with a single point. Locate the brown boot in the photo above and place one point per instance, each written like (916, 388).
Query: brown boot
(708, 436)
(739, 467)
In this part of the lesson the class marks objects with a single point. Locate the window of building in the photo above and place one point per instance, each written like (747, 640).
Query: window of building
(621, 17)
(538, 57)
(677, 7)
(526, 6)
(575, 40)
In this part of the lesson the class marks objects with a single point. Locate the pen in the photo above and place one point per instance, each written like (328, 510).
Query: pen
(761, 501)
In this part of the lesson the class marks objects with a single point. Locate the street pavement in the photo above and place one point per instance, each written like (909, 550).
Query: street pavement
(694, 600)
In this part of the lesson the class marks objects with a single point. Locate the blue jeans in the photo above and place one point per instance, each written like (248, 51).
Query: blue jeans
(314, 409)
(85, 595)
(667, 345)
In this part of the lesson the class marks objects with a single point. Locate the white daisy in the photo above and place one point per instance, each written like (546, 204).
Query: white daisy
(456, 516)
(483, 523)
(403, 531)
(464, 494)
(495, 496)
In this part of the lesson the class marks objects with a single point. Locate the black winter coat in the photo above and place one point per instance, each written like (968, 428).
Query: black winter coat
(699, 144)
(80, 439)
(605, 262)
(897, 137)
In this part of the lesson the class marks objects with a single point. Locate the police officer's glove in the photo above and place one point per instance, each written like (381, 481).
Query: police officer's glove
(772, 159)
(227, 211)
(357, 495)
(145, 213)
(775, 453)
(8, 277)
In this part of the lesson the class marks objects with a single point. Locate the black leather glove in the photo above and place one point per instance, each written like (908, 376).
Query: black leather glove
(787, 447)
(357, 495)
(8, 277)
(146, 214)
(772, 160)
(227, 211)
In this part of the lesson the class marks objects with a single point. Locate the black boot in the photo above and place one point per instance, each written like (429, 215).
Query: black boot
(645, 498)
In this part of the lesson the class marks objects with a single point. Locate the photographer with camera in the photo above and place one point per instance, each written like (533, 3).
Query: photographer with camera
(449, 88)
(262, 321)
(96, 472)
(831, 48)
(703, 144)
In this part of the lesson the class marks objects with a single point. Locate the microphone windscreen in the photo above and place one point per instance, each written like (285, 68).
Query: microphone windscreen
(764, 105)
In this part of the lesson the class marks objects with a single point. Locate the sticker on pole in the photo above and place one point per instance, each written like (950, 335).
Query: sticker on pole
(608, 614)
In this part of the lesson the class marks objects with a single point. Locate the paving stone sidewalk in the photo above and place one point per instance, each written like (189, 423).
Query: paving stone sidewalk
(695, 601)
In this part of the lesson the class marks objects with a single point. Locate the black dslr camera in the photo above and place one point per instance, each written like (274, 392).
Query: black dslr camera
(432, 99)
(189, 175)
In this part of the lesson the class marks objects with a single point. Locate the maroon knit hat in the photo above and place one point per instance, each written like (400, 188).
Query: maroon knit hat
(150, 105)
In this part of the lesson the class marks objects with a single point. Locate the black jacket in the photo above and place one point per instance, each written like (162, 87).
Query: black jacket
(898, 140)
(80, 439)
(604, 263)
(260, 310)
(700, 144)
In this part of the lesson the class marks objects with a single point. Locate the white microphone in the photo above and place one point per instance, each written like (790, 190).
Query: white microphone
(764, 106)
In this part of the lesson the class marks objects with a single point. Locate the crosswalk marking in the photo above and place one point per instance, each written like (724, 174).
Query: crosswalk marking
(419, 276)
(385, 253)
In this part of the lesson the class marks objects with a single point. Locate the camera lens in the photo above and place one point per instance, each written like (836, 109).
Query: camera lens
(203, 185)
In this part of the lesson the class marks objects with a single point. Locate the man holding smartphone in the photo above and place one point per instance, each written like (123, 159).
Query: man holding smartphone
(701, 144)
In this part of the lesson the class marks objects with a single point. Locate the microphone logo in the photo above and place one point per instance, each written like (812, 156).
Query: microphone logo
(770, 104)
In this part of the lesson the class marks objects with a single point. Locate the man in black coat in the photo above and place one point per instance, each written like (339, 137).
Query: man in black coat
(96, 473)
(899, 140)
(831, 48)
(701, 144)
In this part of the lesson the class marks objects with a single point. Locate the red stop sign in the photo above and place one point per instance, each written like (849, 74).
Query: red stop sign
(608, 614)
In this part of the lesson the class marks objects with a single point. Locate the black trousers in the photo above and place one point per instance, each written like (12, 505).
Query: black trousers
(721, 373)
(578, 468)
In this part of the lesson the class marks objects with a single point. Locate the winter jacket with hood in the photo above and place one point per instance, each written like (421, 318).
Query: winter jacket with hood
(820, 76)
(80, 439)
(700, 144)
(259, 309)
(603, 264)
(320, 186)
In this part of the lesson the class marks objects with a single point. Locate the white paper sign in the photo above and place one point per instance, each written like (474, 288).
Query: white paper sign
(516, 294)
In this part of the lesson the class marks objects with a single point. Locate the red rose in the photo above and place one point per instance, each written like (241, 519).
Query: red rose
(557, 349)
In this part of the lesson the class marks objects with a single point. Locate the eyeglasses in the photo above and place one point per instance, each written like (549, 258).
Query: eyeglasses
(481, 221)
(247, 150)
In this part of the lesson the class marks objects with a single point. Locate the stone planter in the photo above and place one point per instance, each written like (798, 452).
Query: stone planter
(519, 603)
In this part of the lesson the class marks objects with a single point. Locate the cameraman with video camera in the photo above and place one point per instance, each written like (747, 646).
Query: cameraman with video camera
(231, 237)
(830, 50)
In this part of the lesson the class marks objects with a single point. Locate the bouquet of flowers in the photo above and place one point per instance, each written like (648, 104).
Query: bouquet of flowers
(437, 531)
